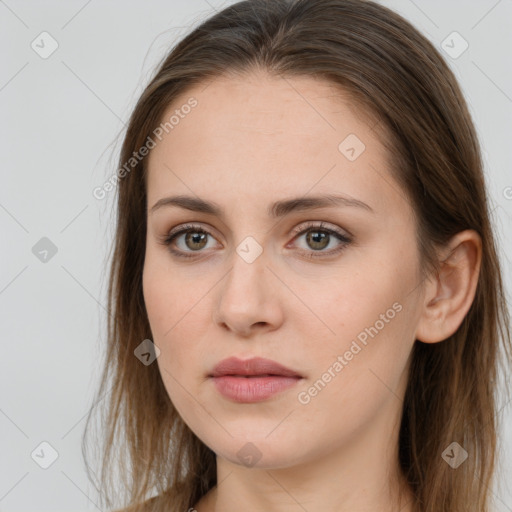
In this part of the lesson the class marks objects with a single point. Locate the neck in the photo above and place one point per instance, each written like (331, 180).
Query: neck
(362, 475)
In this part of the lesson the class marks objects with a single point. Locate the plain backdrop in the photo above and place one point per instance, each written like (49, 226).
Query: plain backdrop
(62, 115)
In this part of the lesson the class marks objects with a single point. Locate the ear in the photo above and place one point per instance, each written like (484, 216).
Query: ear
(450, 293)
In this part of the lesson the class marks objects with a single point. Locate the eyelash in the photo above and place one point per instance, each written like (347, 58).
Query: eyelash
(191, 228)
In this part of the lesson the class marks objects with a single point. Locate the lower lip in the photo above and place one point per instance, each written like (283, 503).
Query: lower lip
(252, 389)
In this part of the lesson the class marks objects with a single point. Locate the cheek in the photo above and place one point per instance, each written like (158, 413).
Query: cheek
(372, 315)
(347, 312)
(166, 295)
(356, 381)
(173, 307)
(156, 296)
(165, 307)
(349, 297)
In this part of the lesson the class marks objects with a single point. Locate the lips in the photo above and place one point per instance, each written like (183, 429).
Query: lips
(255, 367)
(252, 380)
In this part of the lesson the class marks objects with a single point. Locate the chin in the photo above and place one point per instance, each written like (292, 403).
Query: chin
(260, 453)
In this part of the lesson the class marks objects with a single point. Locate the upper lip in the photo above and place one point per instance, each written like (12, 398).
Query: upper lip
(253, 366)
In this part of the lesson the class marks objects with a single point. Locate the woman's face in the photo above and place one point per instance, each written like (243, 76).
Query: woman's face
(270, 282)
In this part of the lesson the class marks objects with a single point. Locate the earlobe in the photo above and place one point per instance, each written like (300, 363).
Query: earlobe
(449, 295)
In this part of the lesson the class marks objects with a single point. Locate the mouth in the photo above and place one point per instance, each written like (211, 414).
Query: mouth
(251, 376)
(252, 380)
(254, 367)
(253, 388)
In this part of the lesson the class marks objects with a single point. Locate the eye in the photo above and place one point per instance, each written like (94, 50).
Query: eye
(318, 237)
(194, 239)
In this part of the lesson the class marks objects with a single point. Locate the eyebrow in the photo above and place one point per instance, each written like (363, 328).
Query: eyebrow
(275, 210)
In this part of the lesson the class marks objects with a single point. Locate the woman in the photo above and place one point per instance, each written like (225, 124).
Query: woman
(306, 302)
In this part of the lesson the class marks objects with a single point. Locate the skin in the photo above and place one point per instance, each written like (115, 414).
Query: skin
(251, 141)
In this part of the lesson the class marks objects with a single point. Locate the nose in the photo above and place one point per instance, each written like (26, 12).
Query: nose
(248, 300)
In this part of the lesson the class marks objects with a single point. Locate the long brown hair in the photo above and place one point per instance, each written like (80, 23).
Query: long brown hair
(396, 76)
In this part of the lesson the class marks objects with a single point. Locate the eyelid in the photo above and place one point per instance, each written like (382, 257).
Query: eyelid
(295, 231)
(321, 225)
(184, 227)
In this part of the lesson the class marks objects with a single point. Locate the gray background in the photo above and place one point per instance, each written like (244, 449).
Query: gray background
(62, 117)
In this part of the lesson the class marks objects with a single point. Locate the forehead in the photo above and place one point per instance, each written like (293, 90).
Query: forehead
(258, 102)
(260, 134)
